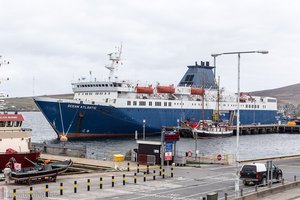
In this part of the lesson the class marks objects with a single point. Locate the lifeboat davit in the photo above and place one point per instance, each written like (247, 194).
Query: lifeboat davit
(165, 89)
(197, 91)
(144, 90)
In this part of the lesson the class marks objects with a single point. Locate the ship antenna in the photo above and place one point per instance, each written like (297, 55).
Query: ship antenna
(115, 59)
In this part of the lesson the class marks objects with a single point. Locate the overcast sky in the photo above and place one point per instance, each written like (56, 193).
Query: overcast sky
(51, 43)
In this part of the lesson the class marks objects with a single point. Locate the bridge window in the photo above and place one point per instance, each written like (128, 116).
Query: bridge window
(142, 103)
(134, 103)
(128, 103)
(157, 103)
(150, 103)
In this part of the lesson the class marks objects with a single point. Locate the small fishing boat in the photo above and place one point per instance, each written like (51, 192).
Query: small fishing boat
(44, 172)
(216, 128)
(213, 131)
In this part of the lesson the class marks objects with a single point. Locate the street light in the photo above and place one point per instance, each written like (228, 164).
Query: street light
(238, 110)
(144, 127)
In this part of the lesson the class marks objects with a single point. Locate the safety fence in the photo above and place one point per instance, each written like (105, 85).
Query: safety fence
(192, 157)
(131, 177)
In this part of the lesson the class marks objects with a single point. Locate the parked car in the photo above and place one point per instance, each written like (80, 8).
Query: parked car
(256, 173)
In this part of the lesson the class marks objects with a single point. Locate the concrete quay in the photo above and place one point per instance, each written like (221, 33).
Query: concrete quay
(188, 183)
(266, 129)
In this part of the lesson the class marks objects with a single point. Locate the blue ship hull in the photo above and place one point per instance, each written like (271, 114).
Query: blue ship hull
(82, 120)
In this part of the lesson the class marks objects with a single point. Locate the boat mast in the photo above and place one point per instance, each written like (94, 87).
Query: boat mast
(218, 101)
(2, 95)
(115, 58)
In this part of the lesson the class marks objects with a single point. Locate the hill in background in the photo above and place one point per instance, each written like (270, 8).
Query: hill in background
(285, 95)
(27, 104)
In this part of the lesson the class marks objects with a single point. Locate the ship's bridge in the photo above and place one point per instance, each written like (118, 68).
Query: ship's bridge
(101, 91)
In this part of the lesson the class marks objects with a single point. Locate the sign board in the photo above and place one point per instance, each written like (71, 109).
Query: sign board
(169, 146)
(168, 155)
(171, 136)
(219, 157)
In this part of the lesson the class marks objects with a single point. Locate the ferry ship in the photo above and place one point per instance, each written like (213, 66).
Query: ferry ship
(120, 108)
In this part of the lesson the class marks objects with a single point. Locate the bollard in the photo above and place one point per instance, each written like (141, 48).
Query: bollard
(124, 179)
(163, 173)
(14, 194)
(112, 181)
(128, 167)
(30, 193)
(47, 191)
(75, 186)
(241, 192)
(154, 174)
(282, 181)
(160, 171)
(144, 176)
(172, 173)
(256, 188)
(226, 196)
(134, 178)
(295, 178)
(61, 188)
(147, 169)
(88, 185)
(138, 168)
(101, 183)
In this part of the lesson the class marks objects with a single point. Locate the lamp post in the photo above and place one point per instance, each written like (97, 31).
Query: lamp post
(238, 110)
(144, 127)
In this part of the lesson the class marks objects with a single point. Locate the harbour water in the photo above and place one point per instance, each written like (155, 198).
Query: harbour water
(251, 146)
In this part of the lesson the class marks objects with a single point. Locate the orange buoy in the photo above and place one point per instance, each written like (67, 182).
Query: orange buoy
(63, 138)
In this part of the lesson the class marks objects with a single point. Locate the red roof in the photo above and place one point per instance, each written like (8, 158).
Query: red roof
(11, 117)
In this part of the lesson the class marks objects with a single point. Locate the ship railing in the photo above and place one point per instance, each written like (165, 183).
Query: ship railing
(16, 129)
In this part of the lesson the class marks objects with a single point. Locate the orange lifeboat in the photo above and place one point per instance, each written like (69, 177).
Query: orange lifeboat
(144, 90)
(197, 91)
(165, 89)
